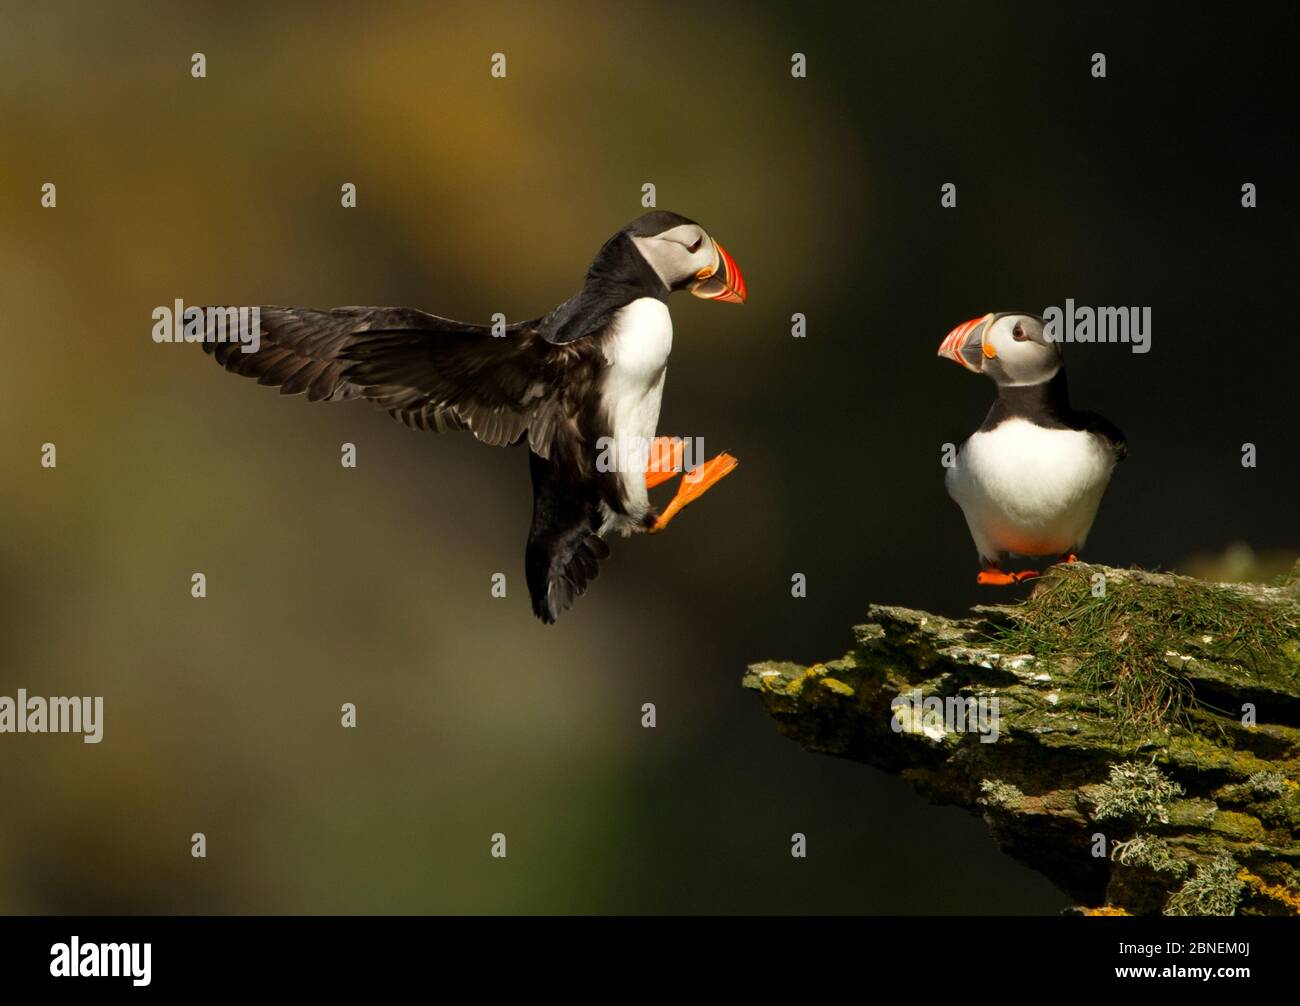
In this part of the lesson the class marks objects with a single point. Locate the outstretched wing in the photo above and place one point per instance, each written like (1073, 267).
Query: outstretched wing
(430, 373)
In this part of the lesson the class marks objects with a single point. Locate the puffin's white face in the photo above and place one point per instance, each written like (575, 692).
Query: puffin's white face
(686, 256)
(1010, 348)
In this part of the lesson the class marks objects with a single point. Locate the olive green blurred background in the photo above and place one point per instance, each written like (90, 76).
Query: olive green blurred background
(478, 195)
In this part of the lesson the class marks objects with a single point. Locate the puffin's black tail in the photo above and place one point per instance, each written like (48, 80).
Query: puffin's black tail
(564, 551)
(559, 569)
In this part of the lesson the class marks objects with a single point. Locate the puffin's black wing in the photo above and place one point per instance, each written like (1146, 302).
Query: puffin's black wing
(1102, 427)
(430, 373)
(564, 549)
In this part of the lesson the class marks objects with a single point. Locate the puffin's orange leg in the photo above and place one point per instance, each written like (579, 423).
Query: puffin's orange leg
(665, 460)
(1068, 557)
(693, 485)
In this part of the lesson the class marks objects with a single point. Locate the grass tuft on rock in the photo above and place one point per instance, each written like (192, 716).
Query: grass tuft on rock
(1128, 639)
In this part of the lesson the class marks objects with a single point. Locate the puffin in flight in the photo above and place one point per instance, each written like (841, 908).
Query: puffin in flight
(1029, 480)
(580, 385)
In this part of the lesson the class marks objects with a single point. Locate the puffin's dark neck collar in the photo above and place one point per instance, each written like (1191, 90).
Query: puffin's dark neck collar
(619, 268)
(619, 274)
(1045, 404)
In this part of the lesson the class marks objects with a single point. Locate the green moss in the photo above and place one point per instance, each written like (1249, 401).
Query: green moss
(1282, 811)
(1214, 889)
(1195, 813)
(1135, 792)
(1199, 752)
(837, 686)
(1237, 826)
(1130, 646)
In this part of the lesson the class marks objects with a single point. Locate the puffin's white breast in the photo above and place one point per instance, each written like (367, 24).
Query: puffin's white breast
(637, 348)
(1028, 489)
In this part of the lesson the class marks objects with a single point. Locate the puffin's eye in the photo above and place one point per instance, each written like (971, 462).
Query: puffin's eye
(693, 248)
(1018, 333)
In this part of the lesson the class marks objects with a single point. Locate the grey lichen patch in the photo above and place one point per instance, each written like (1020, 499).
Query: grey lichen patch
(996, 793)
(1150, 852)
(1135, 792)
(1214, 889)
(1266, 785)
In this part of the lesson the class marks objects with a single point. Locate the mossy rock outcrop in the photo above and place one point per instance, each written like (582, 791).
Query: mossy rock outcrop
(1134, 736)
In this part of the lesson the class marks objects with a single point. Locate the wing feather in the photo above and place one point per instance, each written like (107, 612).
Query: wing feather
(429, 373)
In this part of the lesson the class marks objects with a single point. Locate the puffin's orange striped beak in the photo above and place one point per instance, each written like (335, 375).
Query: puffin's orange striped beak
(965, 344)
(722, 281)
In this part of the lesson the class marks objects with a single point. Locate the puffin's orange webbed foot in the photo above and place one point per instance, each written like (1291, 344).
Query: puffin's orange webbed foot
(693, 485)
(1068, 557)
(665, 460)
(994, 577)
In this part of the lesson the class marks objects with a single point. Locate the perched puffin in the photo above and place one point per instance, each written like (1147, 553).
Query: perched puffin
(1029, 480)
(583, 379)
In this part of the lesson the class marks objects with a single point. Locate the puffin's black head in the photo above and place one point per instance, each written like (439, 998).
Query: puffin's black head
(1009, 347)
(684, 257)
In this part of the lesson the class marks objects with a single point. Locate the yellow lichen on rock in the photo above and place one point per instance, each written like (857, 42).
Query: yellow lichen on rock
(1275, 892)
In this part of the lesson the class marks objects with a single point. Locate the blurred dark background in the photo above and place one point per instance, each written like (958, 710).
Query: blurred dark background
(479, 195)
